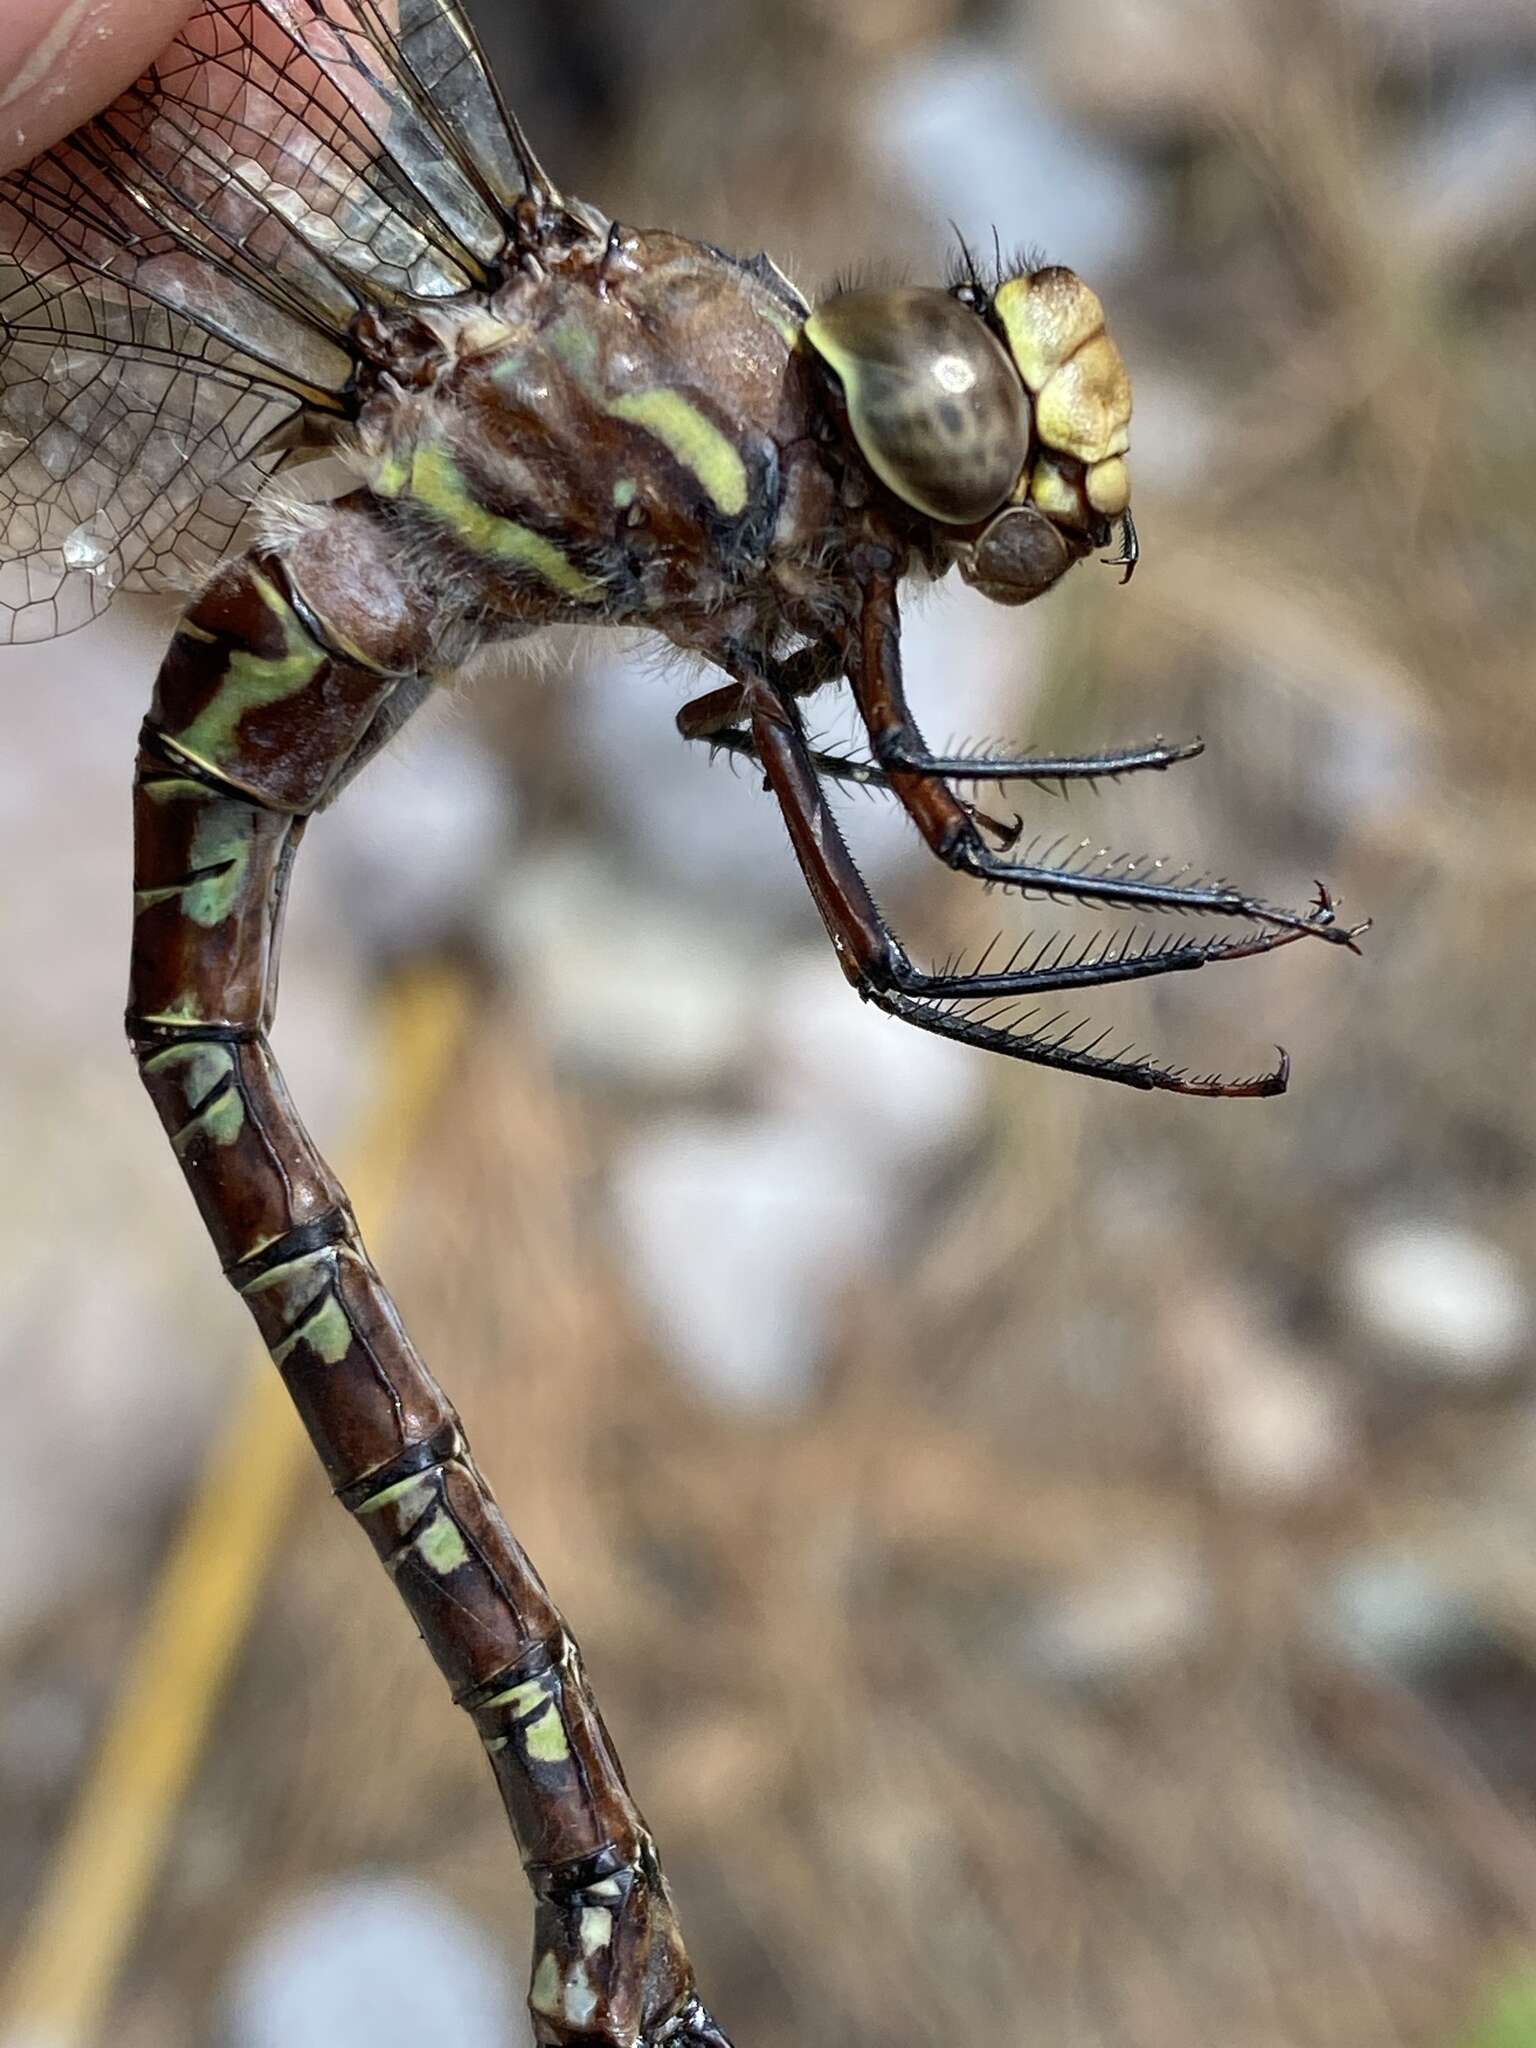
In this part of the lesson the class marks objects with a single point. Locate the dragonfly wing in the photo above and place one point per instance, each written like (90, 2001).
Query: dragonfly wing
(130, 439)
(179, 279)
(441, 56)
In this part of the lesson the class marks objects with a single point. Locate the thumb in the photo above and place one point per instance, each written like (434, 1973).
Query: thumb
(63, 60)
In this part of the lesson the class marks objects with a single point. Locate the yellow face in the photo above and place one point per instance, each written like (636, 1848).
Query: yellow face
(1080, 390)
(1030, 438)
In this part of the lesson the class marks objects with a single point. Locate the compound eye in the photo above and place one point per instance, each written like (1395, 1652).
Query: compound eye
(1019, 557)
(936, 406)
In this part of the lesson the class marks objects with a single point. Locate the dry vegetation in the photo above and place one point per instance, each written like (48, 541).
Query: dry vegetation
(994, 1694)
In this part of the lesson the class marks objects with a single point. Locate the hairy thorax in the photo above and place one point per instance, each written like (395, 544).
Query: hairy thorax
(624, 432)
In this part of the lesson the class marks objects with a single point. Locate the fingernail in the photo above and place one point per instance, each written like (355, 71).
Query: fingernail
(37, 64)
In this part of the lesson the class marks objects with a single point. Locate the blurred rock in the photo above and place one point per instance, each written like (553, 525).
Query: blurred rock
(701, 828)
(842, 1070)
(1439, 1301)
(1392, 1610)
(1467, 177)
(737, 1233)
(1150, 72)
(373, 1962)
(404, 856)
(625, 983)
(1123, 1622)
(1422, 32)
(706, 830)
(876, 26)
(1178, 435)
(1345, 724)
(43, 1735)
(979, 143)
(1262, 1413)
(1160, 73)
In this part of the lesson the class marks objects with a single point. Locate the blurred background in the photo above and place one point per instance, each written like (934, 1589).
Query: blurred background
(1060, 1565)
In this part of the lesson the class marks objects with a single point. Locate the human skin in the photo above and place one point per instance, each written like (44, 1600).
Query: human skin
(63, 60)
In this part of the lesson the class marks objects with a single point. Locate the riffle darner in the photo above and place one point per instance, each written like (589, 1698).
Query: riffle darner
(315, 225)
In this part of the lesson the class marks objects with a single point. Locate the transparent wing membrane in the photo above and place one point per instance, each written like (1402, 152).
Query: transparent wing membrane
(178, 280)
(129, 445)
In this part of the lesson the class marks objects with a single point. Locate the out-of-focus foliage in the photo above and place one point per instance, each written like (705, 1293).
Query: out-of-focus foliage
(1058, 1564)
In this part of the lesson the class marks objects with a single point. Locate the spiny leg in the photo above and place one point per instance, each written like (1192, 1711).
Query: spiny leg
(715, 719)
(712, 721)
(876, 964)
(263, 706)
(946, 825)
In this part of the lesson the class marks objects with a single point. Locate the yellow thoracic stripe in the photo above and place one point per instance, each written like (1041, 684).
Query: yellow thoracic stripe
(433, 480)
(691, 439)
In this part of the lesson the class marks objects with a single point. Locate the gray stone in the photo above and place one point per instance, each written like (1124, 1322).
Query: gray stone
(403, 859)
(736, 1233)
(1392, 1609)
(706, 830)
(1123, 1621)
(626, 983)
(372, 1962)
(1467, 177)
(893, 1096)
(1437, 1300)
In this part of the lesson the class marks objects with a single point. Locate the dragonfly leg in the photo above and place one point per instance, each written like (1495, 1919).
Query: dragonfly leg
(715, 720)
(270, 695)
(875, 962)
(920, 782)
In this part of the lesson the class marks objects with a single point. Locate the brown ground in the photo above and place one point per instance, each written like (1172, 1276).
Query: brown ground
(891, 1811)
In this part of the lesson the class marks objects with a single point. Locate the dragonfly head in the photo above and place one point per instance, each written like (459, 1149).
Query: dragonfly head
(1002, 416)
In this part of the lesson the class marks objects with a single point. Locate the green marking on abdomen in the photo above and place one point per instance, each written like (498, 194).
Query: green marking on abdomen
(221, 850)
(222, 1120)
(545, 1738)
(596, 1929)
(544, 1994)
(438, 486)
(184, 1010)
(522, 1699)
(325, 1330)
(441, 1545)
(691, 439)
(251, 681)
(401, 1495)
(208, 1088)
(203, 1067)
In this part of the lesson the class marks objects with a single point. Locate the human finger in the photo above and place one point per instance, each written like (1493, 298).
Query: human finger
(63, 60)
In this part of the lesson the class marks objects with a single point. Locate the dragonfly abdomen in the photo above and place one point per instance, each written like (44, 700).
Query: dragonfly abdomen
(275, 689)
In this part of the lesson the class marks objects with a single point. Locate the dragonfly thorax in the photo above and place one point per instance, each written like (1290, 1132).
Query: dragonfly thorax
(627, 434)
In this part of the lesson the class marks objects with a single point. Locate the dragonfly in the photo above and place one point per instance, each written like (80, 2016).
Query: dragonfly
(315, 226)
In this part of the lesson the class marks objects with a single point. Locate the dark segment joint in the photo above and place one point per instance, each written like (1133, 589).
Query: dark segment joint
(315, 626)
(560, 1882)
(440, 1448)
(537, 1658)
(152, 1034)
(333, 1228)
(161, 748)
